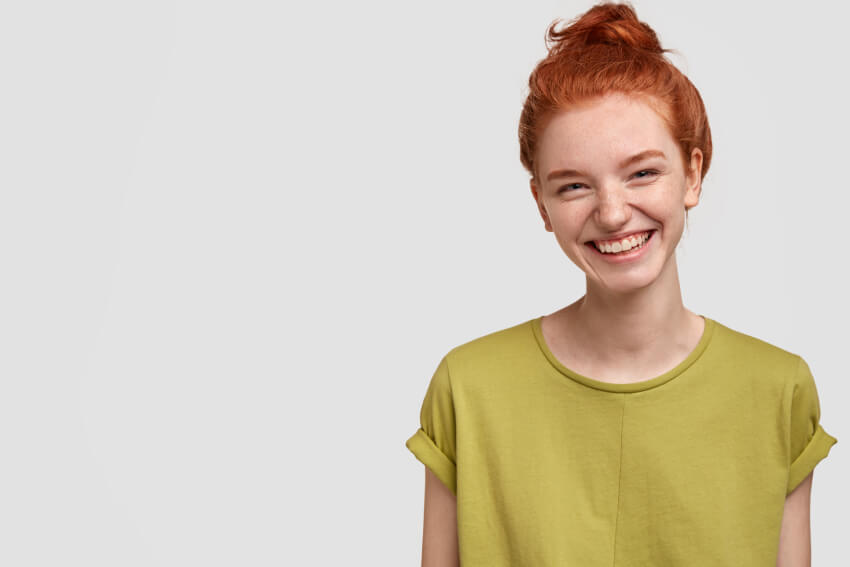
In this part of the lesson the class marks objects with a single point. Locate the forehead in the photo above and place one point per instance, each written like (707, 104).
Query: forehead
(601, 132)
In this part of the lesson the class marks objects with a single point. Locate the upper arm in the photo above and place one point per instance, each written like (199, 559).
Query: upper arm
(439, 537)
(795, 549)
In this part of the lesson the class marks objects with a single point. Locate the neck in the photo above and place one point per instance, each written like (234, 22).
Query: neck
(641, 324)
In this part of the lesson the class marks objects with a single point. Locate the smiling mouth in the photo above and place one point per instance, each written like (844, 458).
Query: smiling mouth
(617, 248)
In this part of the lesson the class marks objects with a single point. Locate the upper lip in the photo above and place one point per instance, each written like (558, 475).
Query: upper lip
(621, 235)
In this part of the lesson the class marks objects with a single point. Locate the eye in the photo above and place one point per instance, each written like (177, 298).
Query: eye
(647, 172)
(569, 187)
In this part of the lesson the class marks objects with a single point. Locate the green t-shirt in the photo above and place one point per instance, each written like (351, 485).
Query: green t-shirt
(554, 468)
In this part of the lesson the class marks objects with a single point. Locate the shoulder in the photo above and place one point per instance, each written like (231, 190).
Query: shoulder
(744, 352)
(494, 353)
(493, 348)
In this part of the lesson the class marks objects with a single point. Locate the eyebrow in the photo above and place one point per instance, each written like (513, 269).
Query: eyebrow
(624, 164)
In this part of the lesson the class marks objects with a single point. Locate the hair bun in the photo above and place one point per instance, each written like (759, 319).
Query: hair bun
(608, 24)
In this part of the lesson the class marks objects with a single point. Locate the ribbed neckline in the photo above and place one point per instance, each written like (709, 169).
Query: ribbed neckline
(708, 332)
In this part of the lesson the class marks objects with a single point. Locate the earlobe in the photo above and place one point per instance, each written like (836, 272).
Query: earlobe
(694, 180)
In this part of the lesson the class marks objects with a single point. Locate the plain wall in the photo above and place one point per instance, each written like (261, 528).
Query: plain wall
(237, 237)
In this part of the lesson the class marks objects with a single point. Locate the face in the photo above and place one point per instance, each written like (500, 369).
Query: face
(607, 168)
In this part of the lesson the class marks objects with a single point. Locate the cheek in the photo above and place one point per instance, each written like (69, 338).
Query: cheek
(668, 203)
(567, 225)
(568, 217)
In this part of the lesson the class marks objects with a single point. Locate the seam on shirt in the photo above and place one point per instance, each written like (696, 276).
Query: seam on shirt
(619, 480)
(787, 407)
(454, 414)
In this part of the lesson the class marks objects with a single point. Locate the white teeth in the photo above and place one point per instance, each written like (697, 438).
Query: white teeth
(622, 245)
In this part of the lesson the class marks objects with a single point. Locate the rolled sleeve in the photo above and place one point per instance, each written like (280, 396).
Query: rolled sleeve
(434, 443)
(809, 443)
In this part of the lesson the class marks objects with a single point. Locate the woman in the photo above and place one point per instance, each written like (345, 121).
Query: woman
(622, 429)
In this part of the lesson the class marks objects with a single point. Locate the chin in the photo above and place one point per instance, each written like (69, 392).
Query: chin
(626, 282)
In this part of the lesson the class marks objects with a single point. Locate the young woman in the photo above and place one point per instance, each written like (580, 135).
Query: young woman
(623, 429)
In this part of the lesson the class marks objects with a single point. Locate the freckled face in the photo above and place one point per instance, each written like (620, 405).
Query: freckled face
(589, 185)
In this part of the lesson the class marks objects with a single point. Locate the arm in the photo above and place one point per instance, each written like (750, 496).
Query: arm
(795, 548)
(439, 537)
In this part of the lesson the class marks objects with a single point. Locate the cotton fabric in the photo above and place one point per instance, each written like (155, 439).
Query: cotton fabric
(552, 468)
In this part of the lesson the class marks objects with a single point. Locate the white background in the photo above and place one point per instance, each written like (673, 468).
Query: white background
(237, 237)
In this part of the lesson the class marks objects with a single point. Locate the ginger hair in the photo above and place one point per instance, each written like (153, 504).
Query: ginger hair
(608, 49)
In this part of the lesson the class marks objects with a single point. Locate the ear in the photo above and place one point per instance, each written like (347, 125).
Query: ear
(535, 192)
(693, 180)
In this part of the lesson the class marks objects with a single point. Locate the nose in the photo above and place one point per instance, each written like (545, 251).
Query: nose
(613, 207)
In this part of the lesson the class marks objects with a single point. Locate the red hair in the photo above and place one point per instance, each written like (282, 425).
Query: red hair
(608, 49)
